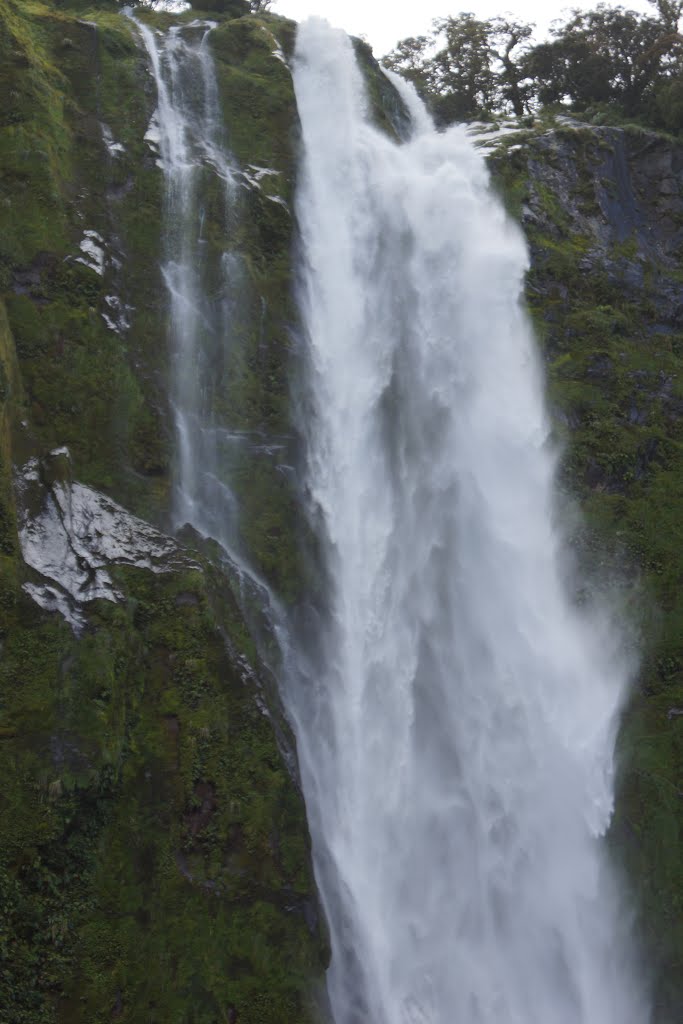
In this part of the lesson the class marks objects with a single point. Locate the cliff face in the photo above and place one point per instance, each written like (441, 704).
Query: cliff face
(603, 212)
(154, 855)
(154, 861)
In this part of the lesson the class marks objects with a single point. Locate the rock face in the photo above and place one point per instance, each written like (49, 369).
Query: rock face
(154, 862)
(154, 854)
(620, 193)
(603, 212)
(71, 535)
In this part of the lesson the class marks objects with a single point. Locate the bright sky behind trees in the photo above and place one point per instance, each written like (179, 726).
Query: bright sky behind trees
(385, 22)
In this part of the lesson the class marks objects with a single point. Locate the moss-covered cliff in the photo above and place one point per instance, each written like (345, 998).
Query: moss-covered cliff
(154, 858)
(603, 212)
(154, 861)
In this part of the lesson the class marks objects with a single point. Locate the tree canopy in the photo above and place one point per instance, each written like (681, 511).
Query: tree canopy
(233, 7)
(607, 58)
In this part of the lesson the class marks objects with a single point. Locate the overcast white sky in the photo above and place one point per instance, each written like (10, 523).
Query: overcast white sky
(384, 22)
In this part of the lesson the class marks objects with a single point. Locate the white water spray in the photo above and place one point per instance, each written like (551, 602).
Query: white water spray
(457, 744)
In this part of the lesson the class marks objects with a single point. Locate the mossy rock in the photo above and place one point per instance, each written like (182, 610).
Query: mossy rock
(154, 855)
(153, 846)
(615, 386)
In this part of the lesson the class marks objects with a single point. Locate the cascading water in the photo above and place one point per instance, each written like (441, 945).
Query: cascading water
(457, 744)
(203, 284)
(456, 747)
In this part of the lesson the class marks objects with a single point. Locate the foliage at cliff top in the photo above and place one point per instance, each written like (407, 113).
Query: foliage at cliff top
(232, 8)
(607, 62)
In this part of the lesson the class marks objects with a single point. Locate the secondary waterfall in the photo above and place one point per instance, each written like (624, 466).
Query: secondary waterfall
(203, 284)
(456, 741)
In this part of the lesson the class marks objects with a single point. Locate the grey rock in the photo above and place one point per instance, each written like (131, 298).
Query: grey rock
(619, 190)
(54, 600)
(71, 534)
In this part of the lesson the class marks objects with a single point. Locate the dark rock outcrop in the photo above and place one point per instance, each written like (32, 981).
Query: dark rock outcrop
(603, 212)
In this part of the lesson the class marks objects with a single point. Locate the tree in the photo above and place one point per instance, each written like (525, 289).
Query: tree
(461, 71)
(604, 57)
(477, 67)
(608, 54)
(409, 60)
(236, 8)
(514, 86)
(567, 68)
(669, 12)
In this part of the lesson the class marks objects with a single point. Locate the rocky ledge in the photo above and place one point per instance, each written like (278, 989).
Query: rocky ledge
(71, 535)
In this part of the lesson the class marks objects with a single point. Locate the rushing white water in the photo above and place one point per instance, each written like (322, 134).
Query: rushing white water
(457, 743)
(203, 286)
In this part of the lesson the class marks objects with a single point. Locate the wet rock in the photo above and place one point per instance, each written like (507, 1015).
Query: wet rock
(70, 534)
(528, 215)
(646, 455)
(28, 280)
(205, 805)
(621, 193)
(601, 367)
(637, 416)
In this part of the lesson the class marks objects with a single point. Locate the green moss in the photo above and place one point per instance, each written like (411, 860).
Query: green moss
(154, 861)
(257, 97)
(9, 400)
(34, 138)
(254, 367)
(510, 182)
(72, 75)
(387, 107)
(150, 826)
(615, 393)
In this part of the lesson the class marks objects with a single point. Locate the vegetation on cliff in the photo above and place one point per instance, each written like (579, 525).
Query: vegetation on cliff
(154, 861)
(607, 62)
(602, 209)
(153, 849)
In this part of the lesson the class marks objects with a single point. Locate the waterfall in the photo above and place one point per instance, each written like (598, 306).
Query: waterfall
(456, 733)
(456, 715)
(203, 280)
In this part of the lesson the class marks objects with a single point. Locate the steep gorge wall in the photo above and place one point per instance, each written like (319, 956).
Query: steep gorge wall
(603, 212)
(154, 855)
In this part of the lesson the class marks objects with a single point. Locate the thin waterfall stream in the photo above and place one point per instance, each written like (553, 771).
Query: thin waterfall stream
(457, 714)
(187, 127)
